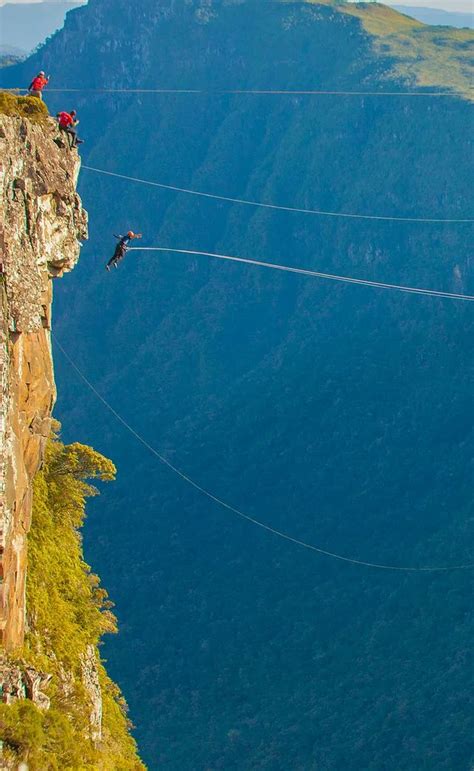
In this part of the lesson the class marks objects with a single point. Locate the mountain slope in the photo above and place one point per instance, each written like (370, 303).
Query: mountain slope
(337, 414)
(437, 16)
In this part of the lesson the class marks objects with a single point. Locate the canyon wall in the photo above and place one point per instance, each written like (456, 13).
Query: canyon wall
(41, 228)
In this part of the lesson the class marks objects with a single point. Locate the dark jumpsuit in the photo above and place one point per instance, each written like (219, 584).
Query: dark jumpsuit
(120, 249)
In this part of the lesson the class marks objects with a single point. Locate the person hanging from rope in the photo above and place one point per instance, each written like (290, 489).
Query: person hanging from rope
(37, 84)
(67, 122)
(121, 248)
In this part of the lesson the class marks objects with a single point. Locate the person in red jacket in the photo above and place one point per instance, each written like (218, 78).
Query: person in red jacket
(37, 84)
(67, 122)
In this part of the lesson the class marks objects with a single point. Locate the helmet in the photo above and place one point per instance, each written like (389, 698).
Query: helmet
(73, 112)
(41, 74)
(130, 234)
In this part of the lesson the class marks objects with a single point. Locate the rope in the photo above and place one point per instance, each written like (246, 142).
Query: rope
(234, 510)
(242, 91)
(246, 202)
(313, 273)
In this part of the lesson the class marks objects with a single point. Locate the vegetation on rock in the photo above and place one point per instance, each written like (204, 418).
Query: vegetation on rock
(23, 107)
(68, 612)
(422, 55)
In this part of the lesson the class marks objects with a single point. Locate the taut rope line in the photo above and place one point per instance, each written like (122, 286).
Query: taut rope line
(246, 202)
(310, 273)
(242, 92)
(236, 511)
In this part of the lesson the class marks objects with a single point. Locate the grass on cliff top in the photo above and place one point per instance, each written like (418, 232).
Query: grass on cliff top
(440, 58)
(67, 611)
(23, 107)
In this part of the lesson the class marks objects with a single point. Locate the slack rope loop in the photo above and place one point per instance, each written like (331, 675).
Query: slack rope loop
(241, 92)
(232, 509)
(312, 273)
(276, 207)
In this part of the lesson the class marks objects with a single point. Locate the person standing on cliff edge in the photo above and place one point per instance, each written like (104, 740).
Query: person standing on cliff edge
(37, 84)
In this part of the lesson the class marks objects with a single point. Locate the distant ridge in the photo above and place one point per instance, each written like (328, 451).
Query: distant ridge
(6, 50)
(26, 25)
(437, 17)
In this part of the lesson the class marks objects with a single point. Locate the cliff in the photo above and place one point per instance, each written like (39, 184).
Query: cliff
(60, 709)
(42, 224)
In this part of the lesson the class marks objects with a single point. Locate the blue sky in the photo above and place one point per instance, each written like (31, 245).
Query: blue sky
(448, 5)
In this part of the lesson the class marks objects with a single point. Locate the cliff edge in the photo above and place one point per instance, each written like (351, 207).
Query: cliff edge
(58, 707)
(42, 223)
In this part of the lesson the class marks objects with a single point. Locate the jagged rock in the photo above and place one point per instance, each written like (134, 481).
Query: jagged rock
(35, 682)
(90, 679)
(44, 219)
(41, 224)
(66, 682)
(11, 682)
(23, 682)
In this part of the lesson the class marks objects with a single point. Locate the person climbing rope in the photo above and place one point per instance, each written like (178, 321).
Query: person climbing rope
(121, 248)
(67, 122)
(37, 84)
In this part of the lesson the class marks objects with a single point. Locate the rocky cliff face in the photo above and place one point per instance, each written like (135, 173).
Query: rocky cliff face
(40, 231)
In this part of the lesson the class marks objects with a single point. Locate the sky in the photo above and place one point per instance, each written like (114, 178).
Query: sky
(467, 6)
(447, 5)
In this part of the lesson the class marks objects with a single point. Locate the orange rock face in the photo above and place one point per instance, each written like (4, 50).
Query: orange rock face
(41, 225)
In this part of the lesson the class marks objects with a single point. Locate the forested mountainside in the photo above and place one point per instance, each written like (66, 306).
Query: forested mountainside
(338, 414)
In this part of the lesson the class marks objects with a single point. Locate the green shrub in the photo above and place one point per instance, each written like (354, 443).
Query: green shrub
(67, 611)
(23, 106)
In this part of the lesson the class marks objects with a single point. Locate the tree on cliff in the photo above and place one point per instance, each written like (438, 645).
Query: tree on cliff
(68, 612)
